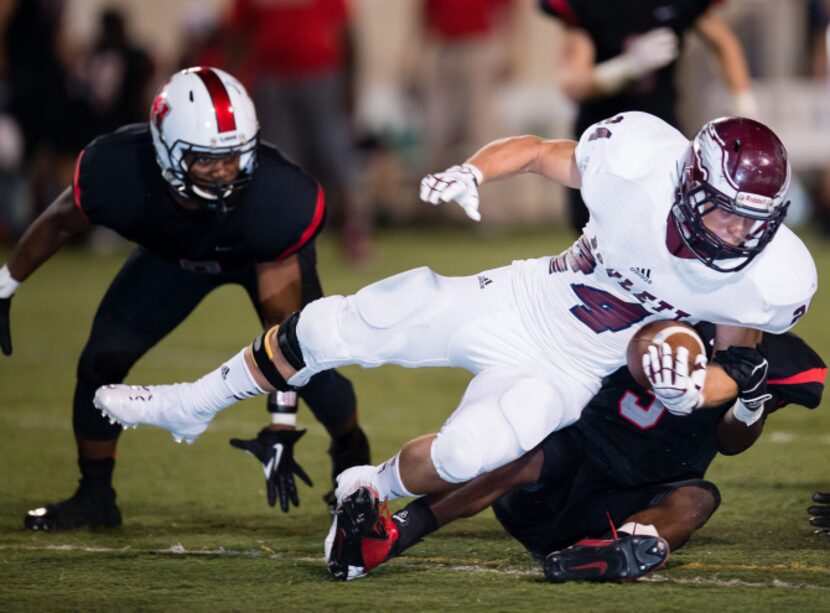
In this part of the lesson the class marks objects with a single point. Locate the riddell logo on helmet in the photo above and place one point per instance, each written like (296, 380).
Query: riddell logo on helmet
(753, 201)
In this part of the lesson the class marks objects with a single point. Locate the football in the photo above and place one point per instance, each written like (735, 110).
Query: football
(675, 333)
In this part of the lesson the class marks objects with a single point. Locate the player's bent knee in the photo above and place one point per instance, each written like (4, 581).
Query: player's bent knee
(698, 499)
(456, 455)
(473, 442)
(704, 494)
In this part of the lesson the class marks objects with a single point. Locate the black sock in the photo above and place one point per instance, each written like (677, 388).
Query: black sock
(414, 522)
(349, 449)
(96, 474)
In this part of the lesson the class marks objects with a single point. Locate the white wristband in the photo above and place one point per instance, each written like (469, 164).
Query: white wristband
(284, 419)
(745, 415)
(7, 284)
(476, 172)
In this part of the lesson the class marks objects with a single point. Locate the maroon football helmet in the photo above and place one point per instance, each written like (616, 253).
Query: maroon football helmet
(740, 166)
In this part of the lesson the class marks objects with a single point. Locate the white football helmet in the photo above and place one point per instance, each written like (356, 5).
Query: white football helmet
(206, 111)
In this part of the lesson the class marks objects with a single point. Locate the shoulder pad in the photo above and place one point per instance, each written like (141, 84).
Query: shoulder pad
(628, 145)
(786, 280)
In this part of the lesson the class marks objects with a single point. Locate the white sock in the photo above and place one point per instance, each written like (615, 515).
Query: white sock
(221, 388)
(388, 480)
(633, 527)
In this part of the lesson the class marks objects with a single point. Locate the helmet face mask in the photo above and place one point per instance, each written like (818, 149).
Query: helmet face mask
(204, 112)
(736, 167)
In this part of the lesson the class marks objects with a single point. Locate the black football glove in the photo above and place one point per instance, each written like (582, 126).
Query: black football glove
(5, 326)
(820, 513)
(275, 449)
(748, 367)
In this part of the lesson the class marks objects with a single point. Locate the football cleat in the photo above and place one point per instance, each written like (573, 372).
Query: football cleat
(361, 536)
(153, 405)
(353, 478)
(87, 508)
(626, 558)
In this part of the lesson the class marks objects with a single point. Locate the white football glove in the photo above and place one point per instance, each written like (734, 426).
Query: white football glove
(668, 373)
(654, 49)
(647, 53)
(459, 183)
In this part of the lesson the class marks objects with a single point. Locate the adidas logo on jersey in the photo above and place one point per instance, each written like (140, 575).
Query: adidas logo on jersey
(643, 273)
(483, 281)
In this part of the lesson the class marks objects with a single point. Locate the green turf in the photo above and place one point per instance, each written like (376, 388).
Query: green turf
(199, 536)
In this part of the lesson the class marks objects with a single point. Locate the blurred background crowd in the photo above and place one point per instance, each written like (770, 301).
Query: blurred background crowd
(368, 95)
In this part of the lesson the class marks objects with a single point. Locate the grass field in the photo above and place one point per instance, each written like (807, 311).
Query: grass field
(198, 534)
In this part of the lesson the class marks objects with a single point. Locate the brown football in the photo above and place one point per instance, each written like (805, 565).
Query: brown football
(675, 333)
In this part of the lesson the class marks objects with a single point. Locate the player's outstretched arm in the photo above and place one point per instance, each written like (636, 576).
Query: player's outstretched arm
(720, 38)
(47, 234)
(553, 159)
(584, 79)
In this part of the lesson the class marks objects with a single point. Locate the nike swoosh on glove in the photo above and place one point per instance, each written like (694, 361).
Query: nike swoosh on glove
(275, 449)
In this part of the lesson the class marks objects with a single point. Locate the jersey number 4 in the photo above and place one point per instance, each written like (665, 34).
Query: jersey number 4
(602, 311)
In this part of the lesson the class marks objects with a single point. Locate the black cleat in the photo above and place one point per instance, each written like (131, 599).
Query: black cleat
(360, 538)
(88, 508)
(623, 559)
(820, 513)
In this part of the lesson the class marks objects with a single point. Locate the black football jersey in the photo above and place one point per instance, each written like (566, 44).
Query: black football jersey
(636, 441)
(610, 23)
(118, 184)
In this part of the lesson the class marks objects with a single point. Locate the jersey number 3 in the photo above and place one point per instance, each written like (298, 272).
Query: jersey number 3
(602, 311)
(644, 417)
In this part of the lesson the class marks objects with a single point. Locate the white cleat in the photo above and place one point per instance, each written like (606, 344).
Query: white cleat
(154, 405)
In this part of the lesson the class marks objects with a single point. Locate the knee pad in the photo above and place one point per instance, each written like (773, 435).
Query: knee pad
(473, 442)
(455, 455)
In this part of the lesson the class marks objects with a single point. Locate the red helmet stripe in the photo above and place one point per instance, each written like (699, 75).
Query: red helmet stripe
(225, 120)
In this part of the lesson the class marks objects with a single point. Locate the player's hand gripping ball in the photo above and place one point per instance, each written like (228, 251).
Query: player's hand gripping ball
(669, 358)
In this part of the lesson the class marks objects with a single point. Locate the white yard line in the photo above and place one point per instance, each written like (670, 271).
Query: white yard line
(265, 552)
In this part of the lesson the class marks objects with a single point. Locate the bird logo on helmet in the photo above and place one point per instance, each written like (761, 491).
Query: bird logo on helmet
(204, 112)
(738, 166)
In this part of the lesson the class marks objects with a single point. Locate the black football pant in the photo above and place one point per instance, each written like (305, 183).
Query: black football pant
(575, 499)
(148, 298)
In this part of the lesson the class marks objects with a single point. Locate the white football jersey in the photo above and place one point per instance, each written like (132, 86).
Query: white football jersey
(620, 274)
